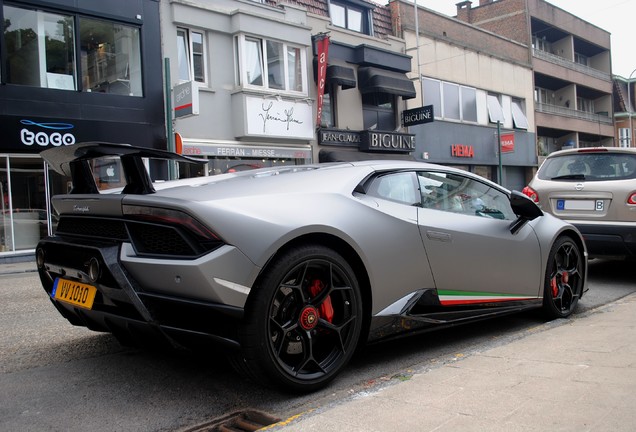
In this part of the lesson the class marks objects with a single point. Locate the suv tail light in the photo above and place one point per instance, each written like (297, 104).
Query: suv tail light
(632, 199)
(534, 196)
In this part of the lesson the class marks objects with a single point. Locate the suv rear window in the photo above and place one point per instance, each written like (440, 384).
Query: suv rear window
(589, 167)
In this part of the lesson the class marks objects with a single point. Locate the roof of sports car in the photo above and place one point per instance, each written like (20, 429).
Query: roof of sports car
(339, 177)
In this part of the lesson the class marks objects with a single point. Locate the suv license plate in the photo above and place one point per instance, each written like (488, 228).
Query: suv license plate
(580, 205)
(75, 293)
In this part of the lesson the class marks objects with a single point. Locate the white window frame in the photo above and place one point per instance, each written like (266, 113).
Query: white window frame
(366, 19)
(441, 112)
(624, 137)
(518, 117)
(190, 55)
(495, 111)
(242, 61)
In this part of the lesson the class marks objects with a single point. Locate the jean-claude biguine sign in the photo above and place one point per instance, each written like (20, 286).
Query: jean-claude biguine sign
(382, 141)
(379, 141)
(417, 116)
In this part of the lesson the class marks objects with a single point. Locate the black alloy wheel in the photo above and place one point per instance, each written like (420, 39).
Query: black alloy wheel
(564, 279)
(303, 321)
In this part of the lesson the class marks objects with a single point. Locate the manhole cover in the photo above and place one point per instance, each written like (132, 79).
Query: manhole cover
(242, 421)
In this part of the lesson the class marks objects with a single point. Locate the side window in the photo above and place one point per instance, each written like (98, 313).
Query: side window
(456, 193)
(397, 187)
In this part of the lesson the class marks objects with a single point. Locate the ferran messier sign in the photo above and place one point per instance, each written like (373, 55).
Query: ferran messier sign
(279, 118)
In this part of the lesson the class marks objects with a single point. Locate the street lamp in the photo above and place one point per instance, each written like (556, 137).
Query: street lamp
(629, 106)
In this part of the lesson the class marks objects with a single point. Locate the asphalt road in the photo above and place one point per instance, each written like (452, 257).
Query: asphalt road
(55, 376)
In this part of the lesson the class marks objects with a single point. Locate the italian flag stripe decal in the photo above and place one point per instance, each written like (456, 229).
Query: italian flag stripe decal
(451, 297)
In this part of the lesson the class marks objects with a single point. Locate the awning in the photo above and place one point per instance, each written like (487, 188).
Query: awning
(372, 79)
(341, 75)
(354, 156)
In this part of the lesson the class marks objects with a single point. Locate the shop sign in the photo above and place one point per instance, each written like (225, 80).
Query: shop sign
(339, 137)
(508, 143)
(387, 141)
(279, 118)
(243, 151)
(26, 134)
(463, 151)
(186, 99)
(417, 116)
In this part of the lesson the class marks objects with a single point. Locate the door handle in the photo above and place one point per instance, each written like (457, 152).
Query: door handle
(439, 236)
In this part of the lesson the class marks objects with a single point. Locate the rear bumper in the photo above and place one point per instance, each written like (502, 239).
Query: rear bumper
(604, 239)
(127, 307)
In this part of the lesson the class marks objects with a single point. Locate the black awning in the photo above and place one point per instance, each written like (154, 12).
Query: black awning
(341, 75)
(372, 79)
(354, 156)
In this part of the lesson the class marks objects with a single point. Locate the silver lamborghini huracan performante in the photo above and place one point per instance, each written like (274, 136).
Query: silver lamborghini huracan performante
(291, 269)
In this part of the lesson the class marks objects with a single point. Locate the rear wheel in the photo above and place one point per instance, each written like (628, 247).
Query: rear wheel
(564, 279)
(302, 321)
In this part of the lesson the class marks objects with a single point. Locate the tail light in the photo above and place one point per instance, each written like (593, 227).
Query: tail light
(534, 196)
(169, 217)
(632, 199)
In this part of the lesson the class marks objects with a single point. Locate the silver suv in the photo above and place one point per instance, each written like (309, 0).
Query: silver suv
(595, 190)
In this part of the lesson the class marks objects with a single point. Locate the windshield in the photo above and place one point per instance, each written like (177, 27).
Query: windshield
(589, 167)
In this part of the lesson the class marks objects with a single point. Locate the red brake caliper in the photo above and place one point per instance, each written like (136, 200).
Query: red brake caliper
(565, 277)
(326, 308)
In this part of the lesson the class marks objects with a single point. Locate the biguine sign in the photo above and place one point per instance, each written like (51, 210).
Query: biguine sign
(387, 141)
(417, 116)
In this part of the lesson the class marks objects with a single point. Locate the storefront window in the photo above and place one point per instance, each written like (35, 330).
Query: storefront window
(40, 48)
(111, 57)
(24, 215)
(6, 233)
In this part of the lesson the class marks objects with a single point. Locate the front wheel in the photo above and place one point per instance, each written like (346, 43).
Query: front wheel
(302, 321)
(564, 279)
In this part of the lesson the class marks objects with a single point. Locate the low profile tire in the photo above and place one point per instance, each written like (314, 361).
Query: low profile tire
(302, 321)
(564, 279)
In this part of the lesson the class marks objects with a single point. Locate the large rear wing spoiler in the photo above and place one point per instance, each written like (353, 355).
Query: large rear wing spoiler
(73, 161)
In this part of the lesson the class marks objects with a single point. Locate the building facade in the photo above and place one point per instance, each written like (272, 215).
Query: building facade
(365, 82)
(71, 71)
(254, 69)
(624, 110)
(248, 65)
(572, 69)
(479, 85)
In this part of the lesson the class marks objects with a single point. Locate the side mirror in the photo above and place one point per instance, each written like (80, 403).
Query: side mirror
(524, 208)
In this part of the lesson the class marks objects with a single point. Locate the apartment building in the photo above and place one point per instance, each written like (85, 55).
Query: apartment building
(572, 69)
(480, 86)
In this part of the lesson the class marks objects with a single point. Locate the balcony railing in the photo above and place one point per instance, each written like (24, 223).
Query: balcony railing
(583, 115)
(561, 61)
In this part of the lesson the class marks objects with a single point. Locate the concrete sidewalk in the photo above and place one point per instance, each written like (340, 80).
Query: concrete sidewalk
(18, 267)
(569, 375)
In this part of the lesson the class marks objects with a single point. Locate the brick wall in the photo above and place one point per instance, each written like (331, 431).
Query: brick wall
(444, 28)
(507, 18)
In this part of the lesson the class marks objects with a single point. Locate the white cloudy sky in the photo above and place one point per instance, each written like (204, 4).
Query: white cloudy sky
(613, 16)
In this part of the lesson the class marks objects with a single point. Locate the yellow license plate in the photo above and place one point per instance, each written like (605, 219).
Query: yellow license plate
(75, 293)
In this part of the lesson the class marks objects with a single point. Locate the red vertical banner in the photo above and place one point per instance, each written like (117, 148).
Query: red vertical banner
(322, 50)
